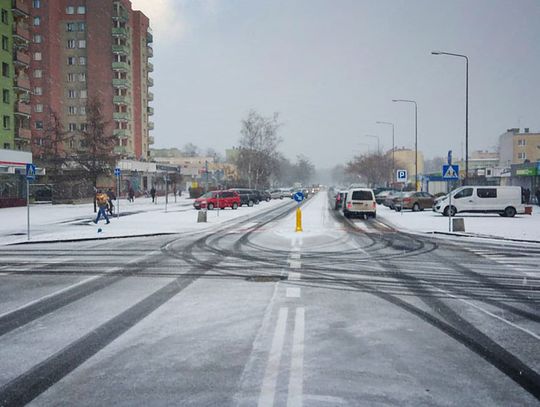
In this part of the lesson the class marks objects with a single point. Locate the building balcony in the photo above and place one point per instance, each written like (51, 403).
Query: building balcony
(150, 125)
(150, 82)
(150, 111)
(150, 96)
(23, 109)
(21, 84)
(149, 36)
(120, 150)
(150, 67)
(121, 16)
(151, 140)
(20, 8)
(121, 100)
(120, 83)
(150, 51)
(21, 58)
(120, 49)
(121, 116)
(119, 31)
(23, 133)
(21, 33)
(120, 66)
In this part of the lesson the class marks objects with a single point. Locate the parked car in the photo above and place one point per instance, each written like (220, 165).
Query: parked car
(506, 201)
(416, 201)
(381, 196)
(276, 194)
(265, 195)
(391, 199)
(360, 202)
(218, 199)
(339, 199)
(246, 196)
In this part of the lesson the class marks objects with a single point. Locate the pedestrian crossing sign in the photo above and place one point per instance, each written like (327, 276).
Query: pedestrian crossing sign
(450, 172)
(30, 172)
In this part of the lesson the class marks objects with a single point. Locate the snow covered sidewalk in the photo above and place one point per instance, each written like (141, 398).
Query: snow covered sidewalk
(521, 227)
(142, 217)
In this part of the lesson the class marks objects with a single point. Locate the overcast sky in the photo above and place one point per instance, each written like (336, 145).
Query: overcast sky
(332, 67)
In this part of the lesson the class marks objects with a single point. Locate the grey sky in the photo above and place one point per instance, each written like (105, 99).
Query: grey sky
(331, 68)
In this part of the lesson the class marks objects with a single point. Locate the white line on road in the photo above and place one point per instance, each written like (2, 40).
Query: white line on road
(268, 389)
(294, 264)
(293, 276)
(295, 256)
(293, 292)
(296, 377)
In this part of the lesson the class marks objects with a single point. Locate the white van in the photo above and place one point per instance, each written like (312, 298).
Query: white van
(359, 202)
(506, 201)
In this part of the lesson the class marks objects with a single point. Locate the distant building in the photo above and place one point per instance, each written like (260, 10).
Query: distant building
(517, 147)
(405, 160)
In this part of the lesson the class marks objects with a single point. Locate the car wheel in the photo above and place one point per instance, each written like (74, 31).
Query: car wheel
(210, 206)
(415, 207)
(510, 212)
(250, 203)
(450, 211)
(235, 205)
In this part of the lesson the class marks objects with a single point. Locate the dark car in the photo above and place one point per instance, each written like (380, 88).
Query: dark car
(259, 196)
(416, 201)
(266, 196)
(247, 197)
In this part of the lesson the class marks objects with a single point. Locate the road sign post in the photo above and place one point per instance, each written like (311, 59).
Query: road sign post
(298, 197)
(450, 173)
(117, 173)
(30, 176)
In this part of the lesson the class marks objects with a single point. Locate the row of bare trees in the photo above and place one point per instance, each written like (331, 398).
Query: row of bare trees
(375, 168)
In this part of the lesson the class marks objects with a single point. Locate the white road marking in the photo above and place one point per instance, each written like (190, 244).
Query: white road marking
(5, 274)
(268, 389)
(294, 264)
(295, 256)
(293, 292)
(294, 276)
(296, 377)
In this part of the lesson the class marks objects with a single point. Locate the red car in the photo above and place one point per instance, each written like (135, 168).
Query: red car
(218, 199)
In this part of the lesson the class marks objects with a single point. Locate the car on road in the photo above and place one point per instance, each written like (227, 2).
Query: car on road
(416, 201)
(276, 194)
(506, 201)
(247, 197)
(381, 196)
(360, 202)
(218, 199)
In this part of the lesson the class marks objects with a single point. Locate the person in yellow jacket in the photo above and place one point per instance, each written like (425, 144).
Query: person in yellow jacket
(102, 201)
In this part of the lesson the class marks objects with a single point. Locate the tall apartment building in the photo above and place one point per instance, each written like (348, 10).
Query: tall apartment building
(14, 82)
(517, 147)
(91, 49)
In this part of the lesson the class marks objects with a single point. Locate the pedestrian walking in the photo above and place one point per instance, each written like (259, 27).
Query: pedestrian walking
(537, 193)
(111, 197)
(153, 194)
(131, 194)
(102, 201)
(527, 195)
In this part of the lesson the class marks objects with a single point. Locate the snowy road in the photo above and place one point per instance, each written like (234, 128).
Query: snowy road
(253, 314)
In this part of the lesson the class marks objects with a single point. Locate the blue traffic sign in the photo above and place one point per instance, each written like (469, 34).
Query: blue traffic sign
(450, 172)
(30, 172)
(117, 172)
(298, 196)
(449, 157)
(401, 175)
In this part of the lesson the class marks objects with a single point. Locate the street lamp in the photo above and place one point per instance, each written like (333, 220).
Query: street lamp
(415, 138)
(378, 141)
(465, 181)
(393, 148)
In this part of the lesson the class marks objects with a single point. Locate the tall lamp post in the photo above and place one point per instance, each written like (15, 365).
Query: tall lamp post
(393, 149)
(415, 138)
(465, 181)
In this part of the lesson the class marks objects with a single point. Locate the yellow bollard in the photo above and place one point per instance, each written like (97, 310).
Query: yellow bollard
(298, 220)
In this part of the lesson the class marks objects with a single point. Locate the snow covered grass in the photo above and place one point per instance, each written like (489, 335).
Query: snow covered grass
(142, 217)
(526, 227)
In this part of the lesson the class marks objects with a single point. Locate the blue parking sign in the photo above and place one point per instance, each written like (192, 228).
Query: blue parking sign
(401, 175)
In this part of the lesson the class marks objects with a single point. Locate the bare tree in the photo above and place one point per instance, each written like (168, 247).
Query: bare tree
(304, 170)
(191, 150)
(258, 148)
(96, 155)
(376, 168)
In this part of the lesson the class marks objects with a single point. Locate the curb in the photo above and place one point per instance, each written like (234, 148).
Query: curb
(90, 239)
(470, 235)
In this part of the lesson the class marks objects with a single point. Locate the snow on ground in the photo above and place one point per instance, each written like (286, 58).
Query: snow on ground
(522, 227)
(142, 217)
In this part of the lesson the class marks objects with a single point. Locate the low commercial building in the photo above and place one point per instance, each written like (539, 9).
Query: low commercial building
(12, 177)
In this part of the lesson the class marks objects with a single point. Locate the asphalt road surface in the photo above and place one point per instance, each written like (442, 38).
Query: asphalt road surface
(346, 313)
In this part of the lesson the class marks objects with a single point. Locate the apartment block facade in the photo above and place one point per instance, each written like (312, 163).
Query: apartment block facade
(518, 147)
(91, 49)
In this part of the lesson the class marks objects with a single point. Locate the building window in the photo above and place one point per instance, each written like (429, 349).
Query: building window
(71, 27)
(72, 126)
(37, 38)
(83, 94)
(5, 16)
(82, 60)
(71, 77)
(38, 90)
(5, 95)
(37, 56)
(72, 93)
(5, 43)
(82, 27)
(70, 10)
(6, 146)
(522, 156)
(38, 73)
(38, 108)
(84, 126)
(72, 110)
(36, 3)
(5, 69)
(39, 125)
(82, 110)
(71, 143)
(37, 21)
(6, 122)
(522, 142)
(71, 44)
(81, 10)
(71, 60)
(82, 77)
(82, 43)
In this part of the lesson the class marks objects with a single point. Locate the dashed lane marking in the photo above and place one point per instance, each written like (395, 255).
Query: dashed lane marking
(296, 377)
(295, 256)
(294, 276)
(293, 292)
(295, 264)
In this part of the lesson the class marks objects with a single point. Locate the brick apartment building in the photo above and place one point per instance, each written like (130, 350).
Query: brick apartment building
(83, 49)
